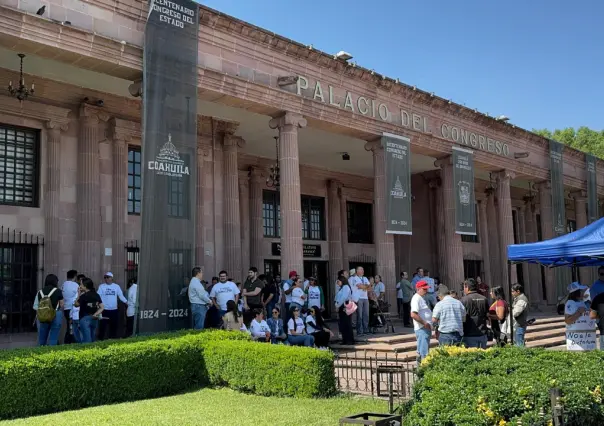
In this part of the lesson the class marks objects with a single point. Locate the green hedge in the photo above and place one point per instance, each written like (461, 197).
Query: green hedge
(271, 369)
(501, 386)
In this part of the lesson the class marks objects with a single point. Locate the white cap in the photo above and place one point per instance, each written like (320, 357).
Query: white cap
(109, 274)
(572, 287)
(352, 271)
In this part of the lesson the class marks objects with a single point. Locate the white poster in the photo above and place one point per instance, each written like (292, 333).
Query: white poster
(581, 340)
(583, 323)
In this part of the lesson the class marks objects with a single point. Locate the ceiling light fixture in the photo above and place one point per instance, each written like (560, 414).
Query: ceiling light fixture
(20, 92)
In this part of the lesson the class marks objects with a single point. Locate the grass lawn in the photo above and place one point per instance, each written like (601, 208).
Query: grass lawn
(214, 407)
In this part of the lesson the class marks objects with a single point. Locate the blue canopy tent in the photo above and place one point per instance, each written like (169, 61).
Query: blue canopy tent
(584, 247)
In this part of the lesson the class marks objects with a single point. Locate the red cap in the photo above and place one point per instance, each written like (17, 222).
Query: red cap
(293, 274)
(422, 284)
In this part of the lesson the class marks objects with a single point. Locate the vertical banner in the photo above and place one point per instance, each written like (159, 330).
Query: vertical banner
(592, 189)
(397, 170)
(557, 180)
(463, 186)
(169, 164)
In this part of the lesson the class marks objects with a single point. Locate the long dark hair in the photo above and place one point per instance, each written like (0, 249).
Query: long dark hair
(498, 293)
(87, 282)
(232, 307)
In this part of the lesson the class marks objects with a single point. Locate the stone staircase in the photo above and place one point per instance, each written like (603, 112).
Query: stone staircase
(548, 331)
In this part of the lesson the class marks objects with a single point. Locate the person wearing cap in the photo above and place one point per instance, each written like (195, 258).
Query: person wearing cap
(422, 319)
(576, 313)
(110, 292)
(448, 316)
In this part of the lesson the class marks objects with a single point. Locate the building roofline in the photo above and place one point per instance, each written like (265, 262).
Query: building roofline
(292, 47)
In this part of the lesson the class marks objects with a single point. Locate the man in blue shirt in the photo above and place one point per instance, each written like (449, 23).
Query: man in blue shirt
(598, 286)
(449, 314)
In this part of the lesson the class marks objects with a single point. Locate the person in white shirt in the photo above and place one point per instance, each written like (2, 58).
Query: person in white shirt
(198, 296)
(110, 292)
(576, 317)
(70, 294)
(315, 295)
(296, 331)
(259, 328)
(132, 295)
(223, 291)
(360, 285)
(422, 319)
(298, 296)
(379, 288)
(74, 316)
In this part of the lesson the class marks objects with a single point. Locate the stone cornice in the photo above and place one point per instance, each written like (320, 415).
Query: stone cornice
(53, 116)
(124, 130)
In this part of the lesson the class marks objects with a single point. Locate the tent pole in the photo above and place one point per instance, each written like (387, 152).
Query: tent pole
(511, 318)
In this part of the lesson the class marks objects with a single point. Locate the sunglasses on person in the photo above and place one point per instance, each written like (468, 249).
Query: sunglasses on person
(275, 312)
(106, 276)
(296, 310)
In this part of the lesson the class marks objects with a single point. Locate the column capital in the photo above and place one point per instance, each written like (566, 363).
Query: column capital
(335, 184)
(233, 142)
(435, 182)
(444, 162)
(123, 130)
(504, 175)
(244, 178)
(292, 119)
(92, 113)
(225, 127)
(258, 175)
(546, 185)
(57, 125)
(579, 196)
(374, 146)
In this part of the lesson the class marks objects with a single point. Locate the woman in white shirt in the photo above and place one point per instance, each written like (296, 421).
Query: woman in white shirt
(259, 328)
(132, 294)
(576, 314)
(343, 297)
(315, 326)
(296, 331)
(298, 296)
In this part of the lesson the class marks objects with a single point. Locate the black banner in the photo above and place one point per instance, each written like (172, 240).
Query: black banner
(308, 250)
(169, 164)
(557, 180)
(592, 189)
(463, 187)
(397, 170)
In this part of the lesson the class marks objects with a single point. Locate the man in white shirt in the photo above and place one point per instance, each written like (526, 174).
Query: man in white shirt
(70, 295)
(360, 285)
(132, 294)
(198, 296)
(110, 292)
(223, 291)
(422, 319)
(259, 329)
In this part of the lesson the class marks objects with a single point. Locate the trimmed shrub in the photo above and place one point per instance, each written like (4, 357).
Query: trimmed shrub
(500, 386)
(43, 380)
(270, 369)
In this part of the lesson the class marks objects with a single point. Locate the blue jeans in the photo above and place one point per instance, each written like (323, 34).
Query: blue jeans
(423, 342)
(75, 325)
(88, 325)
(48, 332)
(199, 311)
(362, 316)
(449, 339)
(519, 333)
(475, 342)
(303, 340)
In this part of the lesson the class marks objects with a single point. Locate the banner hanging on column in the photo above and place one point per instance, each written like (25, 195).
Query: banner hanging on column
(397, 170)
(557, 181)
(169, 164)
(463, 187)
(592, 189)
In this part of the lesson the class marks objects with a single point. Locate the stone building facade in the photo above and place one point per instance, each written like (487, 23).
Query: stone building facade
(81, 176)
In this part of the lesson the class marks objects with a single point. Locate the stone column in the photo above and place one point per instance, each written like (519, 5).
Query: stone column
(454, 250)
(88, 228)
(334, 234)
(232, 213)
(493, 234)
(344, 228)
(258, 182)
(52, 199)
(439, 216)
(505, 224)
(119, 216)
(547, 232)
(534, 291)
(522, 240)
(384, 243)
(484, 242)
(199, 213)
(580, 198)
(244, 206)
(291, 209)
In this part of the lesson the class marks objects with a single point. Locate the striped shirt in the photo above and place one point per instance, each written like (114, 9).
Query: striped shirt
(450, 314)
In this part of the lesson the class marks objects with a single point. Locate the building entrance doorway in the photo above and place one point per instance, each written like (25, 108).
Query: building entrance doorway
(318, 269)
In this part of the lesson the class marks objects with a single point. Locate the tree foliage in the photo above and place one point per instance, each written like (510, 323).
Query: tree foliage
(584, 139)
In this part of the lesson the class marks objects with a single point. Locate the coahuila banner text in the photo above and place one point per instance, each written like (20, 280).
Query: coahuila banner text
(397, 170)
(169, 164)
(463, 187)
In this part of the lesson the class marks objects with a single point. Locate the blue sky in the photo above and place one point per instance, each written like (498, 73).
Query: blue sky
(540, 62)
